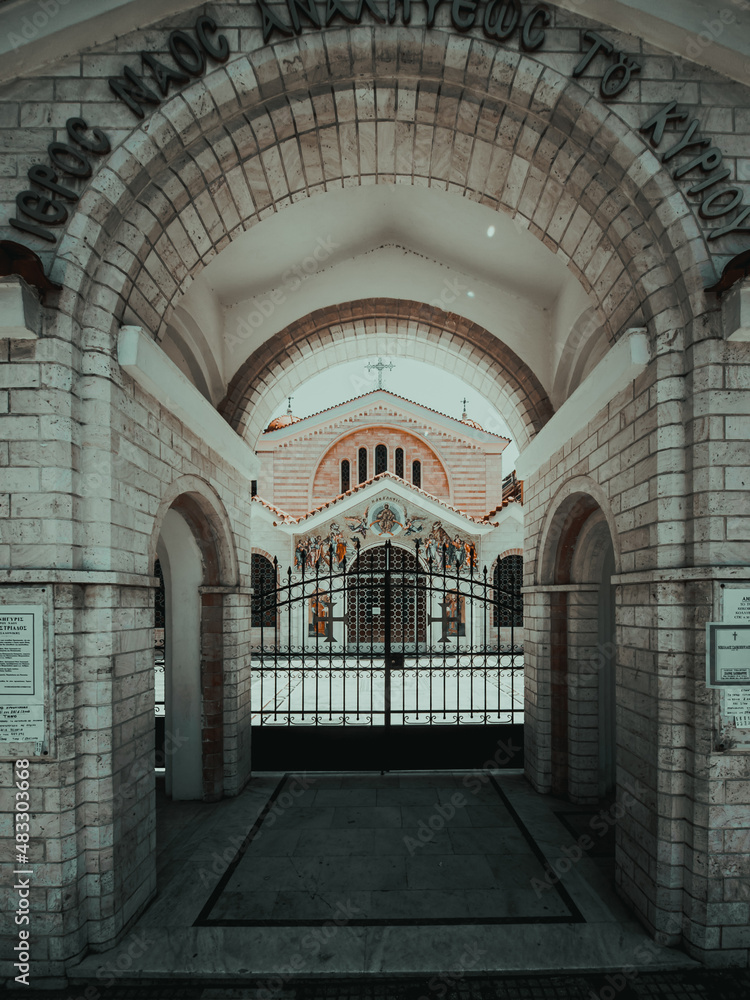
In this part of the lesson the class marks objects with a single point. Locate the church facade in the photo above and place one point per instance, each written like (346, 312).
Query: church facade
(318, 471)
(205, 205)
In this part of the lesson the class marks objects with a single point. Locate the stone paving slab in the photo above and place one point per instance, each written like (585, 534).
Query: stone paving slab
(461, 903)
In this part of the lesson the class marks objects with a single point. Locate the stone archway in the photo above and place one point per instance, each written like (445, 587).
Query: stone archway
(388, 326)
(571, 672)
(278, 126)
(522, 139)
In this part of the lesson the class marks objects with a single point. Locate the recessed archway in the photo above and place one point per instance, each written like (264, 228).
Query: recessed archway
(578, 556)
(394, 327)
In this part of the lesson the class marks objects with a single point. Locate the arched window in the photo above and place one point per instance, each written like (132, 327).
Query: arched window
(345, 478)
(362, 465)
(381, 459)
(263, 582)
(399, 470)
(416, 474)
(508, 578)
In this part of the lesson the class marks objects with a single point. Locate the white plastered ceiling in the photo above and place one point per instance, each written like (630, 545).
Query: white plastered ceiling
(394, 241)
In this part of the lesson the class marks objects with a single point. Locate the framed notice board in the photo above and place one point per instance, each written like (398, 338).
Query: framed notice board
(727, 655)
(21, 674)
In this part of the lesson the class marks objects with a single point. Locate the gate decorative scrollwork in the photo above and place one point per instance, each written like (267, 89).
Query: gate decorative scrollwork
(394, 638)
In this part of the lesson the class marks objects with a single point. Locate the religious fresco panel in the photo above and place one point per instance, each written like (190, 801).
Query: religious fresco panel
(384, 519)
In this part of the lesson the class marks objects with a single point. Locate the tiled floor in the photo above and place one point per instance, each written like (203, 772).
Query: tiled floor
(396, 849)
(326, 876)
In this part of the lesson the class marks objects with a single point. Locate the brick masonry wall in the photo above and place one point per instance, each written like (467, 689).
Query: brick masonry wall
(327, 474)
(304, 469)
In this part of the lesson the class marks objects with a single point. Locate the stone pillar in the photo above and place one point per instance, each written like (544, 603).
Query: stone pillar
(92, 846)
(237, 677)
(537, 688)
(583, 693)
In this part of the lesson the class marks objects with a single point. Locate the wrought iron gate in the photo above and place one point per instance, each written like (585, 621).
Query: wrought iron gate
(395, 660)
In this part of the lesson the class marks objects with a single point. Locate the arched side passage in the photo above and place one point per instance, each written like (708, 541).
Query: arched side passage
(587, 494)
(571, 649)
(203, 507)
(194, 518)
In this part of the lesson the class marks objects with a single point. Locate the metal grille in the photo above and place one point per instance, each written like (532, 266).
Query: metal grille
(416, 474)
(263, 582)
(508, 576)
(159, 597)
(400, 462)
(362, 464)
(345, 477)
(396, 638)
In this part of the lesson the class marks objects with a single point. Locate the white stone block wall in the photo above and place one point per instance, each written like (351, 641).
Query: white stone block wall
(664, 479)
(93, 802)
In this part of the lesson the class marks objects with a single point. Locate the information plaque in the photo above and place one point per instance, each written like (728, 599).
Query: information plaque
(736, 601)
(728, 655)
(21, 674)
(736, 706)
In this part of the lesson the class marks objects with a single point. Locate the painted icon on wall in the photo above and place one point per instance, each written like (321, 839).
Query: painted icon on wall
(310, 550)
(387, 518)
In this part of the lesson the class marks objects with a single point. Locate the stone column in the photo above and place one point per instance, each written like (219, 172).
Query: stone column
(537, 688)
(238, 666)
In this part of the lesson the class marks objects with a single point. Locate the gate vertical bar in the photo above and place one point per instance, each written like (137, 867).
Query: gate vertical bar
(289, 634)
(329, 630)
(303, 607)
(258, 602)
(387, 636)
(273, 597)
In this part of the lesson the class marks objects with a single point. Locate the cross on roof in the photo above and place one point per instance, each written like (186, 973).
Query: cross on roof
(465, 402)
(380, 368)
(289, 404)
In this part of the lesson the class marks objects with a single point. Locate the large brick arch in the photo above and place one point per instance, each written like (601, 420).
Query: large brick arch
(420, 106)
(386, 326)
